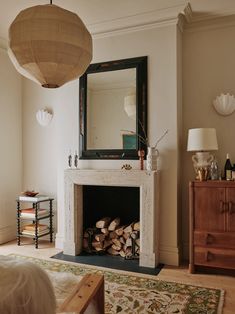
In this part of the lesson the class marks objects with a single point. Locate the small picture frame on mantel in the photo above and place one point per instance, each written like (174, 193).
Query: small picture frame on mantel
(129, 141)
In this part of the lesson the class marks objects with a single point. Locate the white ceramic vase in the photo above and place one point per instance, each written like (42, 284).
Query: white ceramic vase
(151, 159)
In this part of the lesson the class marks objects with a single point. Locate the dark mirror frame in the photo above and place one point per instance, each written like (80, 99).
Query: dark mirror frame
(140, 63)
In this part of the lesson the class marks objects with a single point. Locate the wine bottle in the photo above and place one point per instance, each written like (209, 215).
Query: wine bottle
(228, 168)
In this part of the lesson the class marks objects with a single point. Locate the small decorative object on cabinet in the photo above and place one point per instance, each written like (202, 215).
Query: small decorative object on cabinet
(212, 224)
(35, 229)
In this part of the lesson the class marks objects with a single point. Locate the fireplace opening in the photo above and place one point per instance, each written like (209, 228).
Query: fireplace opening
(113, 201)
(111, 218)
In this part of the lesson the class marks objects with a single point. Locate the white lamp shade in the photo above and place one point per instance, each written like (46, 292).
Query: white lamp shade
(203, 139)
(130, 105)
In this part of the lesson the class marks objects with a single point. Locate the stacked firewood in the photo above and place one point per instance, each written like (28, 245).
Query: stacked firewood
(110, 236)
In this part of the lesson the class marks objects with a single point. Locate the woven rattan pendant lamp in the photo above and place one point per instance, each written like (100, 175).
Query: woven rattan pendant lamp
(49, 45)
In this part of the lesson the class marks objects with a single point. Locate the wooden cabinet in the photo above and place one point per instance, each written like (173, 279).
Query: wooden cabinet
(212, 224)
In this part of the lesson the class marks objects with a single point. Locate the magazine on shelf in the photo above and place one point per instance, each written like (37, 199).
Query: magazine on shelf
(31, 227)
(33, 210)
(37, 198)
(30, 212)
(32, 233)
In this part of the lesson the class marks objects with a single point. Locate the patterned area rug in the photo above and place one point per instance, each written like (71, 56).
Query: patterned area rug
(132, 294)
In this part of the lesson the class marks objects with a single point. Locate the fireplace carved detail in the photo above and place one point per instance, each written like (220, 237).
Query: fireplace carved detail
(147, 181)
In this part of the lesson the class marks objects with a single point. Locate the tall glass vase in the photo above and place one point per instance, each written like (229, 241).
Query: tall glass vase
(151, 160)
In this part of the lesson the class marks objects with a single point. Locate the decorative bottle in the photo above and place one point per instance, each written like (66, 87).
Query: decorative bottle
(233, 172)
(214, 170)
(70, 160)
(151, 161)
(76, 159)
(228, 168)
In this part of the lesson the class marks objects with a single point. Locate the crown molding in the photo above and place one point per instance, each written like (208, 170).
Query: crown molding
(188, 13)
(200, 17)
(132, 29)
(212, 23)
(148, 20)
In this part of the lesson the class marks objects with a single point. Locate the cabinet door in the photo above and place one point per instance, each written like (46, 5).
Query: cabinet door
(231, 209)
(210, 206)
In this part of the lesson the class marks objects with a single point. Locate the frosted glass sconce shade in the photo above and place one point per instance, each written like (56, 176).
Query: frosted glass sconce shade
(43, 117)
(130, 106)
(203, 139)
(224, 104)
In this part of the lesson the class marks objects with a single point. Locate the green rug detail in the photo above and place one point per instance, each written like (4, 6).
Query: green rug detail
(132, 294)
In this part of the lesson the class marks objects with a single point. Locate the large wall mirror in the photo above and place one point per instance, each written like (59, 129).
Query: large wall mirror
(113, 109)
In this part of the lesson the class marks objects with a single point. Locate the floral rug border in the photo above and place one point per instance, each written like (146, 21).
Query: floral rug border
(208, 300)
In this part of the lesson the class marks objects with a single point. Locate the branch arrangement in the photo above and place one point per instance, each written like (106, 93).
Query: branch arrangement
(145, 140)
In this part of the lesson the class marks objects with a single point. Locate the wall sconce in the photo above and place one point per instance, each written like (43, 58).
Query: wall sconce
(201, 141)
(130, 106)
(224, 104)
(44, 117)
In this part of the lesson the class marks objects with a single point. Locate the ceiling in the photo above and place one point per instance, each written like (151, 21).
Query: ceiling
(97, 12)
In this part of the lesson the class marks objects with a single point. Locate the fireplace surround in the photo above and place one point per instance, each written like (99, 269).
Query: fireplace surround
(148, 183)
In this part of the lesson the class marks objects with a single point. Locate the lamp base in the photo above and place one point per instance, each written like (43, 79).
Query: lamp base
(202, 162)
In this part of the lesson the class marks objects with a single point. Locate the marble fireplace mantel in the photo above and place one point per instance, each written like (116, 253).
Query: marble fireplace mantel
(147, 181)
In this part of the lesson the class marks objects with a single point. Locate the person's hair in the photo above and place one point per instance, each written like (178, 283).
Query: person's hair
(24, 288)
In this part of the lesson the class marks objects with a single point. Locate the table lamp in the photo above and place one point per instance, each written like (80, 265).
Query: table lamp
(201, 141)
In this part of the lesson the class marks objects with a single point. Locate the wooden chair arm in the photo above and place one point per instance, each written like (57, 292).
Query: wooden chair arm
(90, 288)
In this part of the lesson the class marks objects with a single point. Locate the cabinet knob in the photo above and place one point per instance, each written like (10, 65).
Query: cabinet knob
(209, 239)
(208, 256)
(221, 207)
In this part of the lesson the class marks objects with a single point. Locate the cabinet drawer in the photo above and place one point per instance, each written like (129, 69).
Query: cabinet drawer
(223, 258)
(215, 239)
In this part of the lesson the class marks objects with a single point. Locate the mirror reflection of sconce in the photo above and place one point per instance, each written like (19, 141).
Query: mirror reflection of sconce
(44, 117)
(224, 104)
(130, 106)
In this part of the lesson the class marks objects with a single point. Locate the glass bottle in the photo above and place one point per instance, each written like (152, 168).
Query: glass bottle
(228, 168)
(214, 170)
(233, 172)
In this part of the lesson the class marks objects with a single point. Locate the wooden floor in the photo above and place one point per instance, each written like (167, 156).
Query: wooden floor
(178, 274)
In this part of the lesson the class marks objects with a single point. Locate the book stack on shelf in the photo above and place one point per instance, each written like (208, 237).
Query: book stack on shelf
(38, 198)
(30, 229)
(30, 213)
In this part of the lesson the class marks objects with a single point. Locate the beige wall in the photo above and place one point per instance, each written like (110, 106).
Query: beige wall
(11, 146)
(208, 70)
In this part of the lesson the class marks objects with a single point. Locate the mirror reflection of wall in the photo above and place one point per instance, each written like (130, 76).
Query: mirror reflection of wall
(110, 113)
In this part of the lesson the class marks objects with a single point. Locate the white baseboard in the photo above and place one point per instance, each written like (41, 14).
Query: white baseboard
(7, 233)
(169, 255)
(59, 241)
